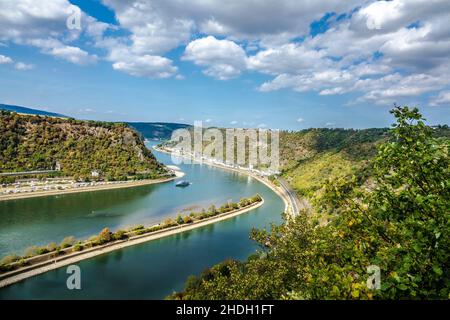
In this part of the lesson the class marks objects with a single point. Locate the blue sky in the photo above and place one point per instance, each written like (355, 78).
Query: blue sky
(327, 64)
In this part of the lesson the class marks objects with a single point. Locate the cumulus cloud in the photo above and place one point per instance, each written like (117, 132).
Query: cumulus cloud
(5, 59)
(382, 51)
(147, 66)
(379, 50)
(57, 49)
(223, 59)
(171, 21)
(43, 25)
(289, 58)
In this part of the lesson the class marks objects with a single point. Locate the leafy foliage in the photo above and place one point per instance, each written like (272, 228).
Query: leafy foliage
(400, 224)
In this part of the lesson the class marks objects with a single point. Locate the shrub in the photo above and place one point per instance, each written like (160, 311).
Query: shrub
(57, 251)
(180, 219)
(140, 231)
(155, 228)
(187, 219)
(77, 247)
(22, 262)
(51, 246)
(120, 235)
(67, 242)
(244, 202)
(42, 250)
(105, 236)
(212, 209)
(138, 227)
(256, 198)
(169, 223)
(31, 251)
(93, 241)
(9, 259)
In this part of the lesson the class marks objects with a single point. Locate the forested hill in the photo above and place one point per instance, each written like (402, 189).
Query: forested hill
(157, 130)
(24, 110)
(80, 147)
(311, 157)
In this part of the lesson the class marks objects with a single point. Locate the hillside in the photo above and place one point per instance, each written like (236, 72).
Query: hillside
(157, 130)
(24, 110)
(386, 241)
(310, 157)
(40, 143)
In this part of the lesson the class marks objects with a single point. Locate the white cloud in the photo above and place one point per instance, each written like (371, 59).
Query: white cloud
(43, 25)
(223, 59)
(381, 50)
(300, 120)
(23, 66)
(5, 59)
(442, 99)
(169, 23)
(233, 122)
(413, 56)
(147, 66)
(289, 58)
(141, 65)
(57, 49)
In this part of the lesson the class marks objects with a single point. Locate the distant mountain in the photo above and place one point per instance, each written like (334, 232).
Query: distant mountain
(25, 110)
(157, 130)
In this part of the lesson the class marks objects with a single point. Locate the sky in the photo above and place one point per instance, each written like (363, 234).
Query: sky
(286, 64)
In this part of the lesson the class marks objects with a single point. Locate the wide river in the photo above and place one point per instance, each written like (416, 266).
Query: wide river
(150, 270)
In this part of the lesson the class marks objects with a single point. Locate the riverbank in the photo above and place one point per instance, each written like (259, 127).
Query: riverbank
(290, 206)
(118, 185)
(52, 263)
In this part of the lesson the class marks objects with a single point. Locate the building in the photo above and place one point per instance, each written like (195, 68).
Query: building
(95, 174)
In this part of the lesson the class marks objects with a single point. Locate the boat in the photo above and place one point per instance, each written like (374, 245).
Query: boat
(182, 183)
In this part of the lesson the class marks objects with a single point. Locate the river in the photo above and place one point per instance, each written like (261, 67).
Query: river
(150, 270)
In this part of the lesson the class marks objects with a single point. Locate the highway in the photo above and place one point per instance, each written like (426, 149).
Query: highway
(292, 196)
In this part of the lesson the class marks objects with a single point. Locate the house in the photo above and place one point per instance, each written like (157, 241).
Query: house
(95, 174)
